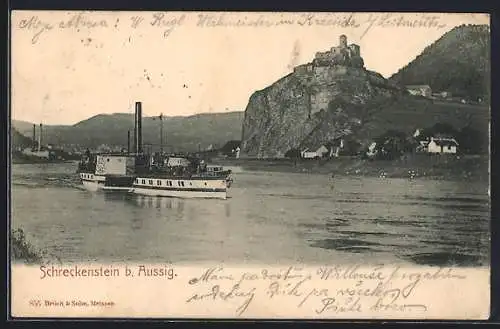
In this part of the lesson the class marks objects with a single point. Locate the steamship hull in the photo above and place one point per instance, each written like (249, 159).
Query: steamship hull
(177, 187)
(94, 183)
(218, 171)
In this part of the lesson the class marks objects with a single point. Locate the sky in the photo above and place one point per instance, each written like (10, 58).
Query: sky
(69, 66)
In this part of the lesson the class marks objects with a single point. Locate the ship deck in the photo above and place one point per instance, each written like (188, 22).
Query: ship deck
(180, 177)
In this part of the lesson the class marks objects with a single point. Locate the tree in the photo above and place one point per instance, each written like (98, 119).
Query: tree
(472, 141)
(439, 129)
(392, 144)
(292, 153)
(351, 147)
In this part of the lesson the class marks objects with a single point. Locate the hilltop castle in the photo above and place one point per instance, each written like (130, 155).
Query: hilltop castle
(343, 54)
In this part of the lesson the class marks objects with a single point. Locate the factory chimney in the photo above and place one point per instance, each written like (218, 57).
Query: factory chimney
(40, 138)
(34, 137)
(138, 127)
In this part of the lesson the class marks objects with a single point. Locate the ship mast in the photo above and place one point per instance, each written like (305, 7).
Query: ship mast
(161, 133)
(40, 138)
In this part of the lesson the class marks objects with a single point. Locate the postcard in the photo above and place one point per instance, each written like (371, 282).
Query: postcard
(249, 165)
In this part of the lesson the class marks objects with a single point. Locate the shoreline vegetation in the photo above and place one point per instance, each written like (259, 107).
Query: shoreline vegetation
(415, 166)
(18, 158)
(23, 251)
(421, 166)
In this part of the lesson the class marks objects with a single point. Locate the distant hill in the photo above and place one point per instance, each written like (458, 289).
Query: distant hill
(18, 140)
(182, 133)
(458, 62)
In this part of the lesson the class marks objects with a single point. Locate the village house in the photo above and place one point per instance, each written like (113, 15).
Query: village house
(314, 152)
(326, 150)
(419, 90)
(309, 154)
(442, 145)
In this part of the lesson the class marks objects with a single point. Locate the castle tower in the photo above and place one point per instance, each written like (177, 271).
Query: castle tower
(343, 41)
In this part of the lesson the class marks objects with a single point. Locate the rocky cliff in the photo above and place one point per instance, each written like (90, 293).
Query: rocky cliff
(313, 105)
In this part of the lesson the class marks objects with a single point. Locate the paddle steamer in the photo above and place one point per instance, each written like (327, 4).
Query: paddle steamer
(107, 172)
(153, 175)
(182, 177)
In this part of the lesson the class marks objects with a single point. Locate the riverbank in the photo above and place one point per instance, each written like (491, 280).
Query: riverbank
(444, 167)
(23, 251)
(19, 158)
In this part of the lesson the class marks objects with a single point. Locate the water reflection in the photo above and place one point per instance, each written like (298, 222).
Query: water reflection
(109, 196)
(177, 204)
(157, 202)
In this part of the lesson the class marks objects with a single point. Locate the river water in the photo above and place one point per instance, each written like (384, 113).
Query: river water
(270, 218)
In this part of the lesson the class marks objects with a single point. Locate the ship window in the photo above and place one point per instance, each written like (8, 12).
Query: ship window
(143, 181)
(205, 183)
(158, 182)
(182, 183)
(178, 183)
(150, 182)
(136, 181)
(190, 184)
(107, 160)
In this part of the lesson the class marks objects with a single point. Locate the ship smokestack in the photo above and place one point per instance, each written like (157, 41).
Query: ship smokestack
(34, 136)
(138, 127)
(40, 138)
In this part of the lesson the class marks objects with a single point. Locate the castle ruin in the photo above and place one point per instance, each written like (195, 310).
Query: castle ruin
(335, 62)
(343, 54)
